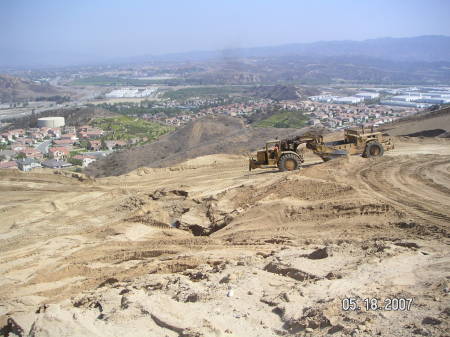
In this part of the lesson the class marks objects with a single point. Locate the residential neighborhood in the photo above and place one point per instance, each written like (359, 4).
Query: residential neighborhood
(54, 147)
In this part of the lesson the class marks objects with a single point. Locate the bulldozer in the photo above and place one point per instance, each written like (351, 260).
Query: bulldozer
(287, 154)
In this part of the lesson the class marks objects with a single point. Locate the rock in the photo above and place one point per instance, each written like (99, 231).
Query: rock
(431, 320)
(321, 253)
(309, 330)
(362, 327)
(228, 278)
(422, 332)
(124, 302)
(286, 270)
(230, 293)
(407, 244)
(446, 311)
(110, 280)
(335, 329)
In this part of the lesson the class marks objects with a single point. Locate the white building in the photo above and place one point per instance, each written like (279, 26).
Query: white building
(405, 104)
(322, 98)
(348, 100)
(131, 92)
(368, 95)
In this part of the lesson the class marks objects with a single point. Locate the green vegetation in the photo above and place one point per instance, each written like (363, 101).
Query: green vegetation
(284, 119)
(74, 161)
(126, 128)
(144, 107)
(119, 81)
(57, 99)
(185, 93)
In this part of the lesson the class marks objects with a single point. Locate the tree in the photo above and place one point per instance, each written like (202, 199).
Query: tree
(104, 147)
(76, 162)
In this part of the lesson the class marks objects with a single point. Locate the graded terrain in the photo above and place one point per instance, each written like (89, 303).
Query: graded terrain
(206, 248)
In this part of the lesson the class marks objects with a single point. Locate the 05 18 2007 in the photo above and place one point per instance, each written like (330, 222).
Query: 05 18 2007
(373, 304)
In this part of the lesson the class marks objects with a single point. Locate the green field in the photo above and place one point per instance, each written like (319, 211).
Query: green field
(125, 128)
(284, 119)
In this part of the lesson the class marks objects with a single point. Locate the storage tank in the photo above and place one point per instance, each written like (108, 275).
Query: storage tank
(50, 122)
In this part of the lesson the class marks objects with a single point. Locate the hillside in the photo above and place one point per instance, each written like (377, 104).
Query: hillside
(14, 89)
(426, 124)
(220, 134)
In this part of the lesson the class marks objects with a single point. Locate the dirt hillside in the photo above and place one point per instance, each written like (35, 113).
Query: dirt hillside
(210, 135)
(428, 124)
(205, 248)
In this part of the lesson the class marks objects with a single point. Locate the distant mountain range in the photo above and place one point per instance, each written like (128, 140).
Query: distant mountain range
(432, 48)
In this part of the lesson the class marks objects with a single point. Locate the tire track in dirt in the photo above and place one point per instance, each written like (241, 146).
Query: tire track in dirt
(405, 181)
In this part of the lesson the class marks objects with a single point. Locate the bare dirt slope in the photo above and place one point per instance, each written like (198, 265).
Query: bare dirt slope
(427, 124)
(207, 249)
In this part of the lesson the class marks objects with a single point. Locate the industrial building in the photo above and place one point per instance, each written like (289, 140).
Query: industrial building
(368, 95)
(131, 92)
(348, 100)
(405, 104)
(50, 122)
(335, 99)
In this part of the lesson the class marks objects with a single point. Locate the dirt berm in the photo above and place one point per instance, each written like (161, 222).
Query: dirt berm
(210, 135)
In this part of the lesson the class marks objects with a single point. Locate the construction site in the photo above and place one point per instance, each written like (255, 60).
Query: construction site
(205, 247)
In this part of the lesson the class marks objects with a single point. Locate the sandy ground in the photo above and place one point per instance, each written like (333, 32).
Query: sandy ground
(207, 249)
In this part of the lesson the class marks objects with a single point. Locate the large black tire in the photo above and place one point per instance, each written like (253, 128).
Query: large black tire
(289, 162)
(373, 149)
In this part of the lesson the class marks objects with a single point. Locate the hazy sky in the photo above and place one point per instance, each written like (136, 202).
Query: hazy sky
(111, 28)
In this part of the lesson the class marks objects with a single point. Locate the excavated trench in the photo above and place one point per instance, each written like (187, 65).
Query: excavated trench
(166, 209)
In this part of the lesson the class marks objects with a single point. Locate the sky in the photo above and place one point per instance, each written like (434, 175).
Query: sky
(118, 28)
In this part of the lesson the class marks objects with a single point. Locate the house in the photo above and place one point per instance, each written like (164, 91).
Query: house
(114, 144)
(27, 164)
(55, 132)
(18, 147)
(7, 136)
(58, 152)
(31, 152)
(55, 164)
(17, 132)
(37, 135)
(8, 165)
(85, 159)
(63, 142)
(93, 133)
(70, 136)
(83, 128)
(69, 129)
(95, 145)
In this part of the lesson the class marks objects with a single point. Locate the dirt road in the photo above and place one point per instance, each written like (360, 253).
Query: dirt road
(207, 249)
